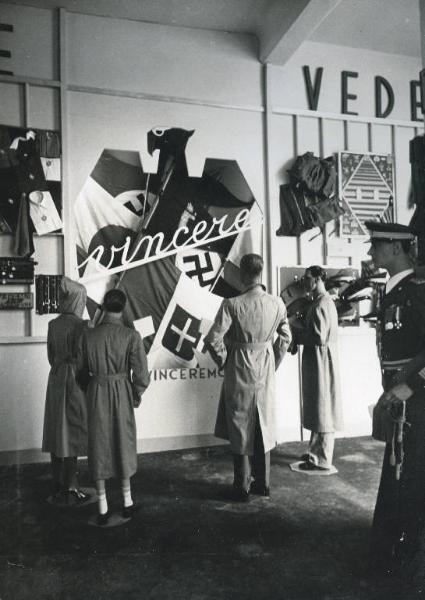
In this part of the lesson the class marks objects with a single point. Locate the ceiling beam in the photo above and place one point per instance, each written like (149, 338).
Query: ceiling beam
(288, 24)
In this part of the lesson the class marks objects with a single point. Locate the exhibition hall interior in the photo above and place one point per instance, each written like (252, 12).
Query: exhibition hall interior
(235, 192)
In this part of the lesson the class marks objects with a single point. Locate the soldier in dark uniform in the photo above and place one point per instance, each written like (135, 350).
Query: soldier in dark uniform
(400, 412)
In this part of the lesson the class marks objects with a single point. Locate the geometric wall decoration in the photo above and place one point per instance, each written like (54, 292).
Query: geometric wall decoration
(366, 188)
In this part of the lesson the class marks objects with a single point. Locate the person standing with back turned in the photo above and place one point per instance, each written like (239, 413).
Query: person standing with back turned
(241, 340)
(114, 356)
(65, 416)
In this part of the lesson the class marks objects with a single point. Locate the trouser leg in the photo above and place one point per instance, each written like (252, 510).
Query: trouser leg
(242, 472)
(260, 460)
(57, 473)
(70, 473)
(321, 448)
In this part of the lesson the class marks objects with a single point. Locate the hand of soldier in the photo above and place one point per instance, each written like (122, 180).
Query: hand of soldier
(292, 348)
(400, 392)
(386, 401)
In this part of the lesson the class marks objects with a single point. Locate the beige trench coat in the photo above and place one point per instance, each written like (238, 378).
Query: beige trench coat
(322, 410)
(241, 339)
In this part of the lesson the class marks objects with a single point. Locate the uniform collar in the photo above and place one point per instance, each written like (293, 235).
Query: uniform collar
(395, 279)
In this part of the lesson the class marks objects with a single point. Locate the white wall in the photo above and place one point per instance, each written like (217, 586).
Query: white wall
(124, 78)
(162, 60)
(33, 43)
(294, 130)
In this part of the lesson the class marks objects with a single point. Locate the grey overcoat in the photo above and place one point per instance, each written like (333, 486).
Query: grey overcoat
(115, 358)
(65, 414)
(241, 339)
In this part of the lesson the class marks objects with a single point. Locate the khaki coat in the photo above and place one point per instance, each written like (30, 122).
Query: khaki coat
(241, 339)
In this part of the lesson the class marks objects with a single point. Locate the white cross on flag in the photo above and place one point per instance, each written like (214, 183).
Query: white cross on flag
(179, 340)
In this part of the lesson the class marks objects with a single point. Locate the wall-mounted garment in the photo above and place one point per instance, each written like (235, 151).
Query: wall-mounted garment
(310, 199)
(22, 170)
(48, 144)
(51, 168)
(24, 244)
(43, 212)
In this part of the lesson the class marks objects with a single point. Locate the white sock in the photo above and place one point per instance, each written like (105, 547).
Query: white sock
(101, 497)
(126, 493)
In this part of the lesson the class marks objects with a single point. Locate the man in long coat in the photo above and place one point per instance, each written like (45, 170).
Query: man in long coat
(115, 359)
(65, 415)
(241, 339)
(322, 413)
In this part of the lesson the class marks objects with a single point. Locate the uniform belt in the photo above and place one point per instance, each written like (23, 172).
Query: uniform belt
(250, 345)
(394, 365)
(111, 377)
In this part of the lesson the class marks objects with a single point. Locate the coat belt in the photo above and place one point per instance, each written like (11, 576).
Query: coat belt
(111, 377)
(250, 345)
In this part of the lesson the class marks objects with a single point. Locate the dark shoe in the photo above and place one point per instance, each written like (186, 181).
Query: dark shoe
(309, 466)
(102, 520)
(305, 457)
(259, 490)
(237, 495)
(57, 488)
(129, 511)
(233, 494)
(75, 497)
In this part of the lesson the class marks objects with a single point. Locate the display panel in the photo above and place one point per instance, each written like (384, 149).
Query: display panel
(171, 241)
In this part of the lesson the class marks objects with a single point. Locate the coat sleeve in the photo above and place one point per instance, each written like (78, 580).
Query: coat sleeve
(214, 340)
(50, 351)
(317, 328)
(82, 373)
(414, 372)
(284, 336)
(138, 363)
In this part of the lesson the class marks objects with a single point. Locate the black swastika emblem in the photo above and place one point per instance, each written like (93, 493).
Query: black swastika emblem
(200, 271)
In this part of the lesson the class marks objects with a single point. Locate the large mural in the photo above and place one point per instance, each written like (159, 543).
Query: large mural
(171, 241)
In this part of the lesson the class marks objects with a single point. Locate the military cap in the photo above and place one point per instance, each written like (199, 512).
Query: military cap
(389, 231)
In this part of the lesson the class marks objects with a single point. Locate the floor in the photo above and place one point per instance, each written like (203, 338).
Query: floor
(308, 541)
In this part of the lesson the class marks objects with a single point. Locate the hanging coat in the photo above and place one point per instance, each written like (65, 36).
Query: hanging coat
(249, 323)
(115, 358)
(320, 373)
(65, 415)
